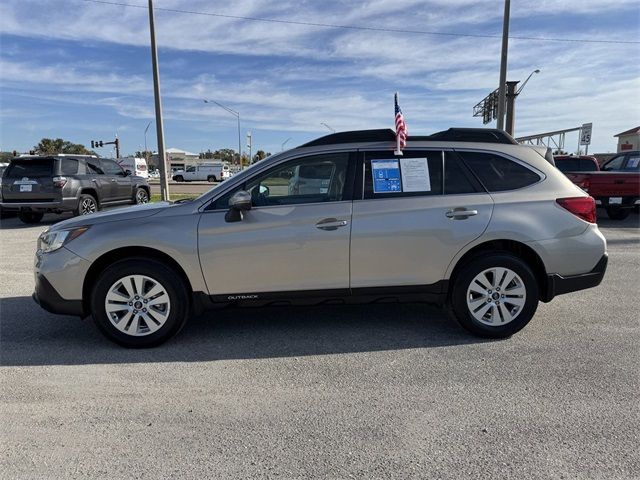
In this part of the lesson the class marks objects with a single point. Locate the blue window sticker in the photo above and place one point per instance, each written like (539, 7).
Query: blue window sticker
(386, 176)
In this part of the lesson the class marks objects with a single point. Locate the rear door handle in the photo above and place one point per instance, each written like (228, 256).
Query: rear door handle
(460, 213)
(331, 224)
(113, 179)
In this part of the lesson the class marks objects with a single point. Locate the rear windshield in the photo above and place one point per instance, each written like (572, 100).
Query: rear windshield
(39, 167)
(576, 165)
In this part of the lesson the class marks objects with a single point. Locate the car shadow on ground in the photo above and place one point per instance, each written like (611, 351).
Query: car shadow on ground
(31, 336)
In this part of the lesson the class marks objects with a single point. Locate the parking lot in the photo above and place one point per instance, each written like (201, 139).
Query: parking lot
(385, 391)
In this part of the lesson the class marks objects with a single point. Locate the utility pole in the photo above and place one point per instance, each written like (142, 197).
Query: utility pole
(511, 106)
(162, 159)
(503, 65)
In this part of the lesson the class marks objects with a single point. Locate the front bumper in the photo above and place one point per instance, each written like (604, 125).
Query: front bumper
(48, 298)
(558, 284)
(59, 280)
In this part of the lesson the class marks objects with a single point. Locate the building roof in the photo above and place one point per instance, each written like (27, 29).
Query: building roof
(629, 132)
(183, 152)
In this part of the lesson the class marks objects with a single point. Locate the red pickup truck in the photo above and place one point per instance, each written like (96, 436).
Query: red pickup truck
(616, 187)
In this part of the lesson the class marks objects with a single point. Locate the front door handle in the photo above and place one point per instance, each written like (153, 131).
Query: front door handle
(460, 213)
(113, 179)
(331, 224)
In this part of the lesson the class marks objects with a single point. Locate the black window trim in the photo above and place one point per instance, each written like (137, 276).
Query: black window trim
(533, 169)
(349, 183)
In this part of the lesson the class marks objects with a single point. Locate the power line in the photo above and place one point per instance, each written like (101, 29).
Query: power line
(373, 29)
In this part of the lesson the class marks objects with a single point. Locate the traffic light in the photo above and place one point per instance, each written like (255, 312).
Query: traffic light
(100, 143)
(15, 153)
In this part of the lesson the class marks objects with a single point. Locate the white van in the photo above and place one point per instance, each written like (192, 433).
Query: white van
(210, 172)
(137, 166)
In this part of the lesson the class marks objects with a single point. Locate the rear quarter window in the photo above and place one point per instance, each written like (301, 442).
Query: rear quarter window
(497, 173)
(68, 166)
(37, 167)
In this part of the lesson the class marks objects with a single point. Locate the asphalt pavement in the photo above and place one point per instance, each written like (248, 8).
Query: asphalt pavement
(377, 391)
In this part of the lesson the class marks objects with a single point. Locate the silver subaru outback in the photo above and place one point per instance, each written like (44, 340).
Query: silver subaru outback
(465, 218)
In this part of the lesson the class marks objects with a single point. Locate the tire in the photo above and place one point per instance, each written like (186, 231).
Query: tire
(30, 217)
(495, 321)
(617, 213)
(141, 196)
(87, 204)
(211, 178)
(153, 327)
(179, 178)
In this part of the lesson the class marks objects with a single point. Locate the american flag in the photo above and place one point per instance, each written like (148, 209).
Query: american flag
(401, 127)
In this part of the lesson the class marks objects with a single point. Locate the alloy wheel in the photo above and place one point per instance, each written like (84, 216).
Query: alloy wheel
(496, 296)
(142, 197)
(88, 206)
(137, 305)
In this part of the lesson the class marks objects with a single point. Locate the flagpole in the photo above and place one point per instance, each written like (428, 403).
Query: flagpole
(398, 150)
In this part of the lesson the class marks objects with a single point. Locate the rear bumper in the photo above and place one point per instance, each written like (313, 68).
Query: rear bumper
(558, 284)
(48, 298)
(65, 204)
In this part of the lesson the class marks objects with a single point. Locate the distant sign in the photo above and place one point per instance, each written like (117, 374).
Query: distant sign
(585, 134)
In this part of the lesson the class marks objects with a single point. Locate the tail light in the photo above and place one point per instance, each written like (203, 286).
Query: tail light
(581, 207)
(59, 181)
(584, 184)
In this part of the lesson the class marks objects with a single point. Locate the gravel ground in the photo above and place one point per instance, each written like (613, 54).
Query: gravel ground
(381, 391)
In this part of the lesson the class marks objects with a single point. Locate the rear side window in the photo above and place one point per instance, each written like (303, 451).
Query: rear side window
(93, 168)
(413, 174)
(37, 167)
(457, 180)
(110, 167)
(497, 173)
(68, 166)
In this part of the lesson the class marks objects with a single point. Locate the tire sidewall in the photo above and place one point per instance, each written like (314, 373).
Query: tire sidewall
(468, 273)
(165, 276)
(137, 192)
(83, 196)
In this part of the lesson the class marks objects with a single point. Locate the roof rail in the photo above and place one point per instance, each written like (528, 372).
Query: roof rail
(479, 135)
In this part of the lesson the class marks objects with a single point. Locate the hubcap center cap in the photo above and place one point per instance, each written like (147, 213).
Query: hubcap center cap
(137, 305)
(495, 296)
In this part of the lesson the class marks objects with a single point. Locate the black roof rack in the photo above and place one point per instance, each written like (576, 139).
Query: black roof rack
(479, 135)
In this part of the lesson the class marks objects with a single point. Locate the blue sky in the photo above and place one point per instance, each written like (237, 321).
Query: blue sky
(81, 70)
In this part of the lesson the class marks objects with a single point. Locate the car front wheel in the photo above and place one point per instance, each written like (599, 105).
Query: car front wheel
(139, 303)
(494, 296)
(618, 213)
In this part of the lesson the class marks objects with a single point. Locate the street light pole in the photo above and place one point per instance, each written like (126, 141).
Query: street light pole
(331, 129)
(162, 161)
(512, 94)
(503, 65)
(237, 115)
(146, 156)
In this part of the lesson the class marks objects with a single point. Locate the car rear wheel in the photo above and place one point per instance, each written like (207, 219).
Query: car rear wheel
(179, 178)
(211, 178)
(87, 204)
(618, 213)
(494, 296)
(141, 196)
(27, 216)
(139, 303)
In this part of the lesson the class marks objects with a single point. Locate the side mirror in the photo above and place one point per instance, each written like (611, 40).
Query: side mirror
(238, 203)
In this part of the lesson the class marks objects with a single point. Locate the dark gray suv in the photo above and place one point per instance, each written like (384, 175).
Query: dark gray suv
(35, 185)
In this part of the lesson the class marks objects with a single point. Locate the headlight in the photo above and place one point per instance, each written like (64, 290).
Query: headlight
(49, 240)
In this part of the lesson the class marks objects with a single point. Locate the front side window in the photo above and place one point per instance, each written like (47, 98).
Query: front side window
(497, 173)
(191, 169)
(614, 164)
(313, 179)
(111, 168)
(633, 163)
